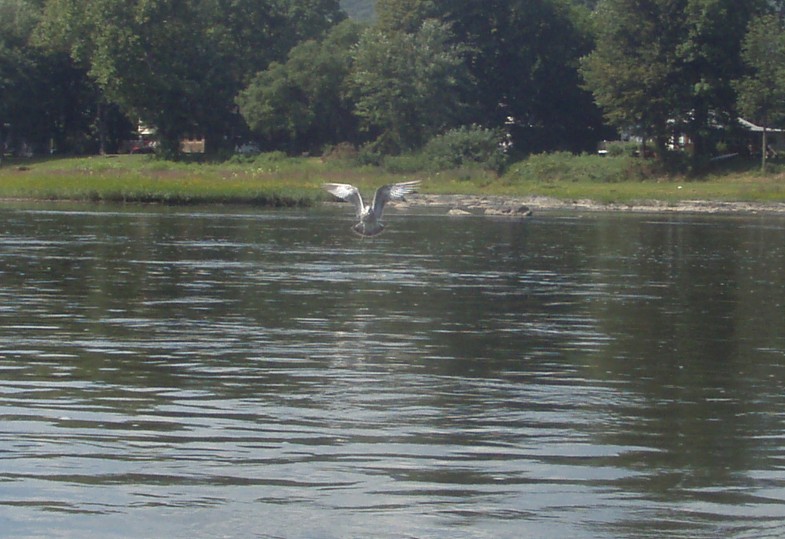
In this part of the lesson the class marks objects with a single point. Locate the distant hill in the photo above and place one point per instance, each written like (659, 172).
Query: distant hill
(361, 10)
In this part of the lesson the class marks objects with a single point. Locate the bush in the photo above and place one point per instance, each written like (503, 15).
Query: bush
(369, 155)
(467, 146)
(259, 159)
(564, 166)
(620, 148)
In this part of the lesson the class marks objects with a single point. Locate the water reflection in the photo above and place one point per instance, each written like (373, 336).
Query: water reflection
(175, 372)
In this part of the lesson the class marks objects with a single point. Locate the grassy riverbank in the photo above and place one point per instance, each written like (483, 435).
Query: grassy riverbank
(276, 180)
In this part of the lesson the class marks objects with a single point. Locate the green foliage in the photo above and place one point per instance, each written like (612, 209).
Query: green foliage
(629, 69)
(178, 64)
(710, 61)
(302, 103)
(661, 63)
(274, 179)
(275, 106)
(567, 167)
(18, 19)
(467, 146)
(523, 59)
(464, 148)
(270, 180)
(46, 100)
(762, 90)
(404, 15)
(407, 163)
(304, 79)
(619, 148)
(267, 161)
(407, 85)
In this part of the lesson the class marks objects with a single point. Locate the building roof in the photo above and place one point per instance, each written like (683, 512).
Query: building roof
(749, 126)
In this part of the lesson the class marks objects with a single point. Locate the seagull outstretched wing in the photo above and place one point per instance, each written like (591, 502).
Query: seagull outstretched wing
(395, 191)
(347, 192)
(369, 218)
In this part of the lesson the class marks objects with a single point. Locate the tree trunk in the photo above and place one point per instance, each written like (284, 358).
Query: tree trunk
(661, 147)
(101, 121)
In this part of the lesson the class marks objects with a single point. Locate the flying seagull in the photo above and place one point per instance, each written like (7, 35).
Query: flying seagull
(369, 216)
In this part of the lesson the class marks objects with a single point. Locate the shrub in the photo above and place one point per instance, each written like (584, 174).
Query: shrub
(368, 155)
(467, 146)
(258, 159)
(620, 148)
(564, 166)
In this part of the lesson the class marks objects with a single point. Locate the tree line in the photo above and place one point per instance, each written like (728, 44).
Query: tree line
(297, 75)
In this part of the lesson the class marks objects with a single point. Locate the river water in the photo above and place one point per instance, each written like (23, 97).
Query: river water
(234, 372)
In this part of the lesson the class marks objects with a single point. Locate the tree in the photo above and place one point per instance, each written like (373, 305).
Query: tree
(408, 85)
(16, 68)
(665, 64)
(709, 57)
(178, 64)
(522, 56)
(630, 71)
(308, 19)
(761, 93)
(302, 103)
(47, 101)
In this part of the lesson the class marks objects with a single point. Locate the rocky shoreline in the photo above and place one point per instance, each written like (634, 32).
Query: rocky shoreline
(521, 207)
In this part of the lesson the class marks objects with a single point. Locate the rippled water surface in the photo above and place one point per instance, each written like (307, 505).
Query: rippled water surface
(180, 372)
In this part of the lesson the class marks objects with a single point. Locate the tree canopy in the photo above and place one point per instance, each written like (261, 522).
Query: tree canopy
(178, 64)
(762, 88)
(408, 85)
(302, 103)
(295, 75)
(38, 88)
(662, 65)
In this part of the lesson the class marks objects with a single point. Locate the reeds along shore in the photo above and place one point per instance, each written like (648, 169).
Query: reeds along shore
(277, 180)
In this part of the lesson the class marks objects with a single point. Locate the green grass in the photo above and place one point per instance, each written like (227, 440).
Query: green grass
(144, 179)
(276, 180)
(625, 179)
